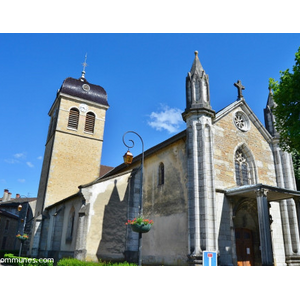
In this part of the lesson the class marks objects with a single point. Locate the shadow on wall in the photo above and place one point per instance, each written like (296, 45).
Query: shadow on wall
(113, 242)
(225, 238)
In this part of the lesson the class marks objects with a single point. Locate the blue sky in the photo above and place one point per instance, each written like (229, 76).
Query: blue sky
(144, 76)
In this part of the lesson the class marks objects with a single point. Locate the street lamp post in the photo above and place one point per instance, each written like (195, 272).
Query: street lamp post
(23, 223)
(128, 157)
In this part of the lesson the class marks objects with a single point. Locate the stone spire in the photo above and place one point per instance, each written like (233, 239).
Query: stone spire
(196, 67)
(197, 90)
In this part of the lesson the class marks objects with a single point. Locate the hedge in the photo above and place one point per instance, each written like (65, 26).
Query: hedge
(3, 252)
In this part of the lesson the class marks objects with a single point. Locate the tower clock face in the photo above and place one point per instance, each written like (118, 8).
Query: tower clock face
(86, 87)
(83, 108)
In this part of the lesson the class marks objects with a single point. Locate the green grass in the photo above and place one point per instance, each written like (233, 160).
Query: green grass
(77, 262)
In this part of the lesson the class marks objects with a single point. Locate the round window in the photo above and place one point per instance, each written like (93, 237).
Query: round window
(241, 121)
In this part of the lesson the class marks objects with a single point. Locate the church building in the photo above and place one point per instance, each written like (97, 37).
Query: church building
(221, 185)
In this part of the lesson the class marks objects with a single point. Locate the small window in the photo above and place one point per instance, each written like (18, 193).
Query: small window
(161, 174)
(73, 118)
(89, 122)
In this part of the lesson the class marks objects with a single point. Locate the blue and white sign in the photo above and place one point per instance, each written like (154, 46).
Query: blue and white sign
(210, 258)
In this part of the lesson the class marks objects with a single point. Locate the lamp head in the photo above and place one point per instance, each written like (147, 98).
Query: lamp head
(128, 157)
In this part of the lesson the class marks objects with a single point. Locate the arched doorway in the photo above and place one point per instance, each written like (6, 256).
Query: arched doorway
(244, 247)
(247, 240)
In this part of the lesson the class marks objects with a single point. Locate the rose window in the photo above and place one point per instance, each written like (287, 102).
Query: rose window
(241, 121)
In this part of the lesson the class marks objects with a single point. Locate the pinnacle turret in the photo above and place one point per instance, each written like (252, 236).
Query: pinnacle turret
(197, 90)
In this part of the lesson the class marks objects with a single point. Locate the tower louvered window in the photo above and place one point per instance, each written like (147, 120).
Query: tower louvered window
(73, 118)
(89, 122)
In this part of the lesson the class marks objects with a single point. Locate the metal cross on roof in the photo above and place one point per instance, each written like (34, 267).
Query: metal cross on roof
(240, 87)
(84, 66)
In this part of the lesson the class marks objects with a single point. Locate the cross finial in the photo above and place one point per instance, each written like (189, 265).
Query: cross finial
(84, 66)
(240, 87)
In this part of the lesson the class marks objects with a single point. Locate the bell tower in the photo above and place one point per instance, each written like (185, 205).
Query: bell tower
(73, 146)
(74, 142)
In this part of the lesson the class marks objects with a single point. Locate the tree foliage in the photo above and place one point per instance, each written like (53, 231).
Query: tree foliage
(286, 94)
(296, 164)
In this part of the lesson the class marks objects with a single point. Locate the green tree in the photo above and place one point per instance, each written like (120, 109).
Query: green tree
(296, 163)
(286, 94)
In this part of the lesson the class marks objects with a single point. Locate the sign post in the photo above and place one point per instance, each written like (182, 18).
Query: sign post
(210, 258)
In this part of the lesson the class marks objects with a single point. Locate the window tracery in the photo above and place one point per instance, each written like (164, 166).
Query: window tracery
(241, 121)
(241, 169)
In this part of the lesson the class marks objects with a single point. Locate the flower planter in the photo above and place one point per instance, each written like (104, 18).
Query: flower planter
(141, 228)
(22, 238)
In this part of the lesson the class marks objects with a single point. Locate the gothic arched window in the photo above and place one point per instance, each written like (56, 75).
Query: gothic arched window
(161, 174)
(73, 118)
(241, 169)
(89, 122)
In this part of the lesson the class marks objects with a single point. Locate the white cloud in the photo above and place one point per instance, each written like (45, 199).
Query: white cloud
(40, 157)
(11, 161)
(16, 158)
(167, 118)
(21, 180)
(19, 155)
(29, 164)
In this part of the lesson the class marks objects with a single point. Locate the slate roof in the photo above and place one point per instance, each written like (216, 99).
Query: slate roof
(81, 88)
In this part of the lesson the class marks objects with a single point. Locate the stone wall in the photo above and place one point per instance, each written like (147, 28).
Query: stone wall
(166, 204)
(108, 213)
(227, 138)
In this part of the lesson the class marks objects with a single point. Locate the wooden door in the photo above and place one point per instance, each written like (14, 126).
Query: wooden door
(244, 247)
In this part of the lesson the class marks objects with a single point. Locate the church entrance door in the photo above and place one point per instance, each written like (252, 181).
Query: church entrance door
(244, 247)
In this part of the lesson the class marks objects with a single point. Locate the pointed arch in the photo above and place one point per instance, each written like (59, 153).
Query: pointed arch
(244, 165)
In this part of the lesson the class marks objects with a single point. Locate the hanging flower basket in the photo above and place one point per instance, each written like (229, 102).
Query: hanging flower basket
(22, 238)
(140, 224)
(141, 228)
